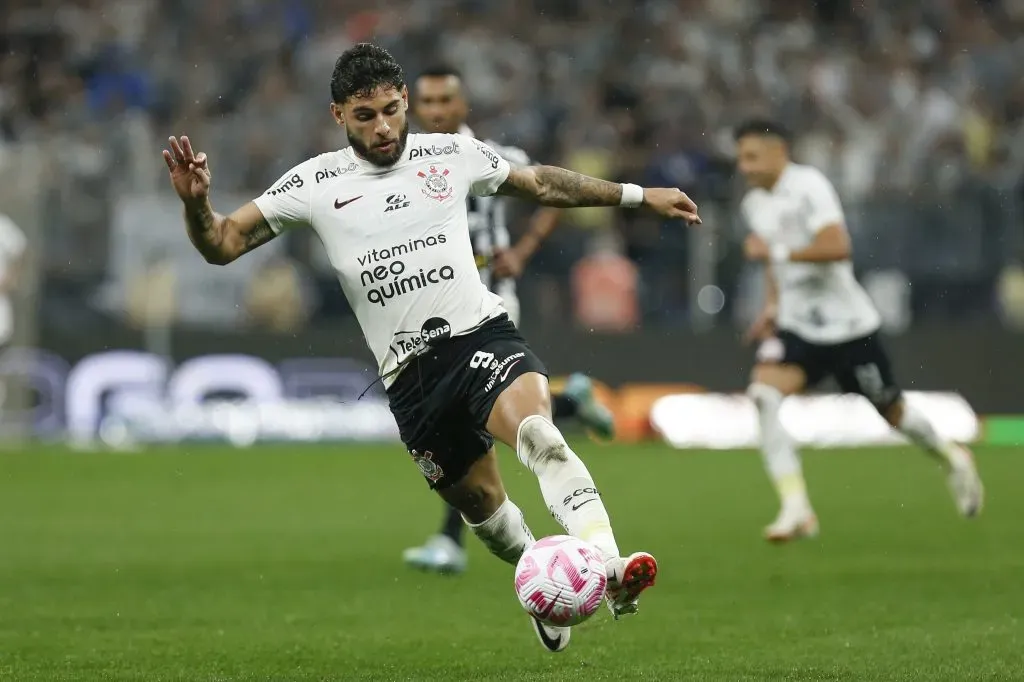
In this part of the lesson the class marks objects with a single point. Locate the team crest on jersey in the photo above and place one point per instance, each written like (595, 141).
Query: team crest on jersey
(435, 184)
(428, 467)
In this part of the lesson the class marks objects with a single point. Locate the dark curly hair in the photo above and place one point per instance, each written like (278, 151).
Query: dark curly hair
(362, 69)
(761, 127)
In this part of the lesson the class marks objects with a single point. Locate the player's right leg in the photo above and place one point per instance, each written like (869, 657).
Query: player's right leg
(521, 418)
(771, 383)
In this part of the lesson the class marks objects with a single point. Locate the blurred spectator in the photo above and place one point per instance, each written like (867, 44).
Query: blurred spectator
(278, 298)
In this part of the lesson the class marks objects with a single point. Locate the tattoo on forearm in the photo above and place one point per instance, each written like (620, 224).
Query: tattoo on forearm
(258, 236)
(563, 188)
(202, 223)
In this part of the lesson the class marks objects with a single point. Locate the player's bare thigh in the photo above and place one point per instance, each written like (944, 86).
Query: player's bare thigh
(787, 379)
(480, 492)
(527, 396)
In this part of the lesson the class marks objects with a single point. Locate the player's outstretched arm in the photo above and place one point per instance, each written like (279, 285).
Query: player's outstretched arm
(220, 239)
(559, 187)
(830, 244)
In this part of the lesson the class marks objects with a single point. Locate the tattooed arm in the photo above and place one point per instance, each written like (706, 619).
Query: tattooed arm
(222, 239)
(554, 186)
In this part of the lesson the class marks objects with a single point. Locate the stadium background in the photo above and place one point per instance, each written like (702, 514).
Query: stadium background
(914, 108)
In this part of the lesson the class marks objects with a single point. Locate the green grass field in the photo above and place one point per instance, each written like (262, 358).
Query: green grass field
(283, 564)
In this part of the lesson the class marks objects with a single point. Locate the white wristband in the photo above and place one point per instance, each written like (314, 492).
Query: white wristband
(632, 195)
(780, 253)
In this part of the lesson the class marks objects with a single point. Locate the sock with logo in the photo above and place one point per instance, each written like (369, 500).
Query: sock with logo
(567, 486)
(453, 524)
(780, 457)
(563, 406)
(916, 427)
(505, 533)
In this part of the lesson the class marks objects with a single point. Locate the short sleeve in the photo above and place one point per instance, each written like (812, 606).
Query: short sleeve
(286, 205)
(822, 201)
(486, 169)
(12, 240)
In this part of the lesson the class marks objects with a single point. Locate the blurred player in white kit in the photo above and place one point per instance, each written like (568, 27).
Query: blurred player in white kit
(817, 322)
(440, 106)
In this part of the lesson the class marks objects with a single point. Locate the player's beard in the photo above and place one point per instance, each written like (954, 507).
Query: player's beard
(376, 157)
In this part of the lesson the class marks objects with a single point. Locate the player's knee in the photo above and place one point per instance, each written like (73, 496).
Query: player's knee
(892, 412)
(765, 396)
(540, 444)
(786, 379)
(478, 500)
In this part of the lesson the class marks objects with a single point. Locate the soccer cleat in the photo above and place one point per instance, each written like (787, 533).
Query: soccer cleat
(439, 554)
(965, 483)
(594, 416)
(552, 638)
(627, 578)
(792, 523)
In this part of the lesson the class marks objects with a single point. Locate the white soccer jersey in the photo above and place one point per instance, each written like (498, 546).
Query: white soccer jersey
(398, 237)
(819, 302)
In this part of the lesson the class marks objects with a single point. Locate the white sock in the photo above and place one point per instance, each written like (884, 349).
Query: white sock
(505, 533)
(920, 431)
(565, 483)
(780, 457)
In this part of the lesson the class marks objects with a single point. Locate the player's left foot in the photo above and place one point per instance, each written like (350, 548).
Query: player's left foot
(439, 554)
(793, 522)
(965, 483)
(627, 578)
(594, 416)
(552, 638)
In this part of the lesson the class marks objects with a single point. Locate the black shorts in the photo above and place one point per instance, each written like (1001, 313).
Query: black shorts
(443, 398)
(858, 366)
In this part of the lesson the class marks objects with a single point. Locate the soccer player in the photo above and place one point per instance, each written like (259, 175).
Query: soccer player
(391, 212)
(817, 321)
(440, 106)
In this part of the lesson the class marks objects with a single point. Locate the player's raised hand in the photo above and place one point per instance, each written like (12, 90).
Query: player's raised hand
(190, 172)
(671, 203)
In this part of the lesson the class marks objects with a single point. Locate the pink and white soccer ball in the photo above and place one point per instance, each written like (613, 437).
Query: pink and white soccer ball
(560, 580)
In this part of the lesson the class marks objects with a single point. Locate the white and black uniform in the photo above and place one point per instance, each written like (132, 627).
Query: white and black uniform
(12, 247)
(488, 229)
(827, 322)
(398, 238)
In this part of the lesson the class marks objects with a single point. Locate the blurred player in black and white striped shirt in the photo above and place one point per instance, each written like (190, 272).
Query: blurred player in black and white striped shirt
(440, 106)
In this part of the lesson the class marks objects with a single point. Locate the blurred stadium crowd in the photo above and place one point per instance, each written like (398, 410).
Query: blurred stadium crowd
(914, 107)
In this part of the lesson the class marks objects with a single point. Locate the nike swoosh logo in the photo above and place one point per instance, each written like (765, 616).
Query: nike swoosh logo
(551, 643)
(577, 506)
(551, 605)
(343, 204)
(507, 370)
